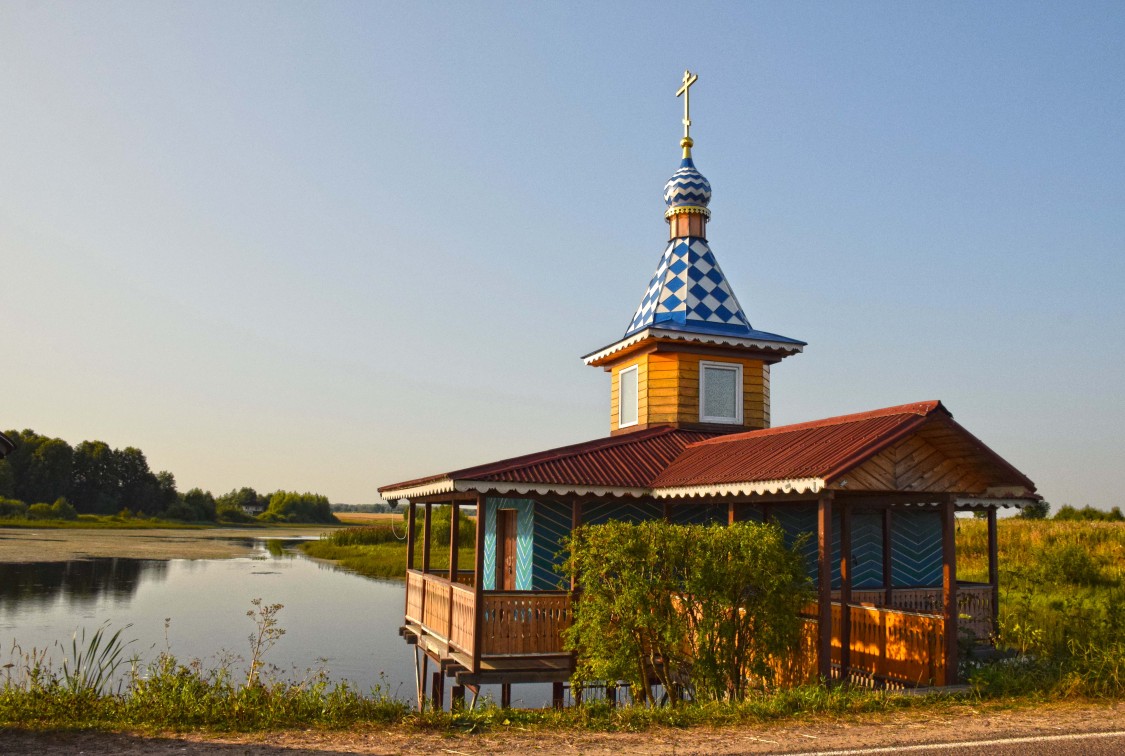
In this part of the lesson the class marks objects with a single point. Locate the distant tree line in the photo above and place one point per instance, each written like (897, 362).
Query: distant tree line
(1040, 510)
(93, 478)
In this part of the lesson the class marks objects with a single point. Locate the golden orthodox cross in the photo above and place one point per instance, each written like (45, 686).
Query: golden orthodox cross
(689, 79)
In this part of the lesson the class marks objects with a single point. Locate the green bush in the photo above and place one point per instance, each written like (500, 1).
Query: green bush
(39, 512)
(290, 506)
(62, 510)
(700, 608)
(12, 509)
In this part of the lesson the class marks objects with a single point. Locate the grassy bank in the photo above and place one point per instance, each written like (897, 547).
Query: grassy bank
(379, 550)
(98, 522)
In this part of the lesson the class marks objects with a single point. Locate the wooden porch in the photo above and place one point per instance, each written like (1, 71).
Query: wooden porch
(896, 637)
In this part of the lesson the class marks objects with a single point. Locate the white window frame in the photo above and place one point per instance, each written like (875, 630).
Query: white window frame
(738, 399)
(621, 397)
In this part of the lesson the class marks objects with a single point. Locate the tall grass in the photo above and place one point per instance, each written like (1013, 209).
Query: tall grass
(1062, 603)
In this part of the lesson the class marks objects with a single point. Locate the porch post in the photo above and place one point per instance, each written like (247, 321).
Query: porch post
(994, 569)
(888, 564)
(666, 510)
(949, 587)
(410, 510)
(454, 530)
(845, 591)
(478, 586)
(426, 537)
(575, 522)
(730, 513)
(824, 586)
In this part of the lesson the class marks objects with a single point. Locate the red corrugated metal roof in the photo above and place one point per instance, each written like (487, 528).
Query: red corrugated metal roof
(630, 460)
(805, 450)
(665, 457)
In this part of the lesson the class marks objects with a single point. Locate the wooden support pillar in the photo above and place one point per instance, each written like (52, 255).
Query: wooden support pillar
(505, 695)
(411, 508)
(845, 591)
(437, 690)
(888, 564)
(666, 510)
(557, 695)
(478, 585)
(575, 523)
(730, 513)
(457, 698)
(420, 668)
(994, 569)
(824, 586)
(949, 587)
(454, 533)
(767, 512)
(611, 694)
(427, 516)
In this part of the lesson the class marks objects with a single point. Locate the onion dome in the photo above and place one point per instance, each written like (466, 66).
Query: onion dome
(687, 190)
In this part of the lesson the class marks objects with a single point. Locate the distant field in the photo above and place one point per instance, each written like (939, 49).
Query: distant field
(363, 518)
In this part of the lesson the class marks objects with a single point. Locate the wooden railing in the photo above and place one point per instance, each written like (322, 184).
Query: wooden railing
(887, 645)
(524, 623)
(974, 603)
(464, 629)
(414, 596)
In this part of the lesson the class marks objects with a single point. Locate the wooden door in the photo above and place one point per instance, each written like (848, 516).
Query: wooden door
(506, 533)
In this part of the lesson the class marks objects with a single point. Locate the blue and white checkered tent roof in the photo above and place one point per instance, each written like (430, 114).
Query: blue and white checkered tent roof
(690, 293)
(687, 187)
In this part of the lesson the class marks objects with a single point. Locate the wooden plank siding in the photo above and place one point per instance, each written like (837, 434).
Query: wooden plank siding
(918, 463)
(668, 389)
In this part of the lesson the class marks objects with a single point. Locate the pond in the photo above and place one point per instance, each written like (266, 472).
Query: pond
(333, 619)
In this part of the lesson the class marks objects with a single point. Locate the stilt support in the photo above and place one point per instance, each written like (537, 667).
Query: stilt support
(557, 695)
(506, 695)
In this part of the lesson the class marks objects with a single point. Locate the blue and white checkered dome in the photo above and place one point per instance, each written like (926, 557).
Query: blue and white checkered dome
(687, 187)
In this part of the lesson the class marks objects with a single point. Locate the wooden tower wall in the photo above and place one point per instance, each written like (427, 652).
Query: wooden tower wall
(668, 391)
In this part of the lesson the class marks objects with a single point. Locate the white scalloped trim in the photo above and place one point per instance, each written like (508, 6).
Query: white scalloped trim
(793, 485)
(697, 338)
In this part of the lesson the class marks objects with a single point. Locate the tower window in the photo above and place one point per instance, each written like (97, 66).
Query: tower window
(627, 397)
(720, 393)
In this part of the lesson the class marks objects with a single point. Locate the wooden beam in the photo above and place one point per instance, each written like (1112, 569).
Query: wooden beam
(845, 592)
(478, 586)
(994, 569)
(557, 695)
(411, 508)
(730, 513)
(427, 516)
(667, 510)
(575, 523)
(949, 588)
(505, 695)
(454, 533)
(824, 586)
(888, 562)
(437, 690)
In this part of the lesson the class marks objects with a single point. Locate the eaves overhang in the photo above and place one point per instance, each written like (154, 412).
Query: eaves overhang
(781, 348)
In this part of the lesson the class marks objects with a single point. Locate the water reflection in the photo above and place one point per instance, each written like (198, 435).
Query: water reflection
(81, 582)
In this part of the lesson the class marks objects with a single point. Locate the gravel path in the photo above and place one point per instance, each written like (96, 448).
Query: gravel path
(905, 729)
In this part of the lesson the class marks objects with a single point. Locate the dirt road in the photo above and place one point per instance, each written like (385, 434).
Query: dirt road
(1048, 729)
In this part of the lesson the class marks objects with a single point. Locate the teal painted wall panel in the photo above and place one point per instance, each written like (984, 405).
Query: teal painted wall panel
(552, 525)
(525, 531)
(916, 549)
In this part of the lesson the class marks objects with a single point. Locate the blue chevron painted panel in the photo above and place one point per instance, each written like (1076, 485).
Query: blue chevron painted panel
(796, 519)
(747, 514)
(595, 513)
(699, 514)
(489, 582)
(552, 525)
(525, 531)
(916, 549)
(867, 550)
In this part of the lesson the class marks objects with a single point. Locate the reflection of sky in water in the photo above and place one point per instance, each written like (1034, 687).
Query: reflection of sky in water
(349, 621)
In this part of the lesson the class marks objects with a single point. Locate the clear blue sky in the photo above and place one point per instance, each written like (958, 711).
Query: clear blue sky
(326, 246)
